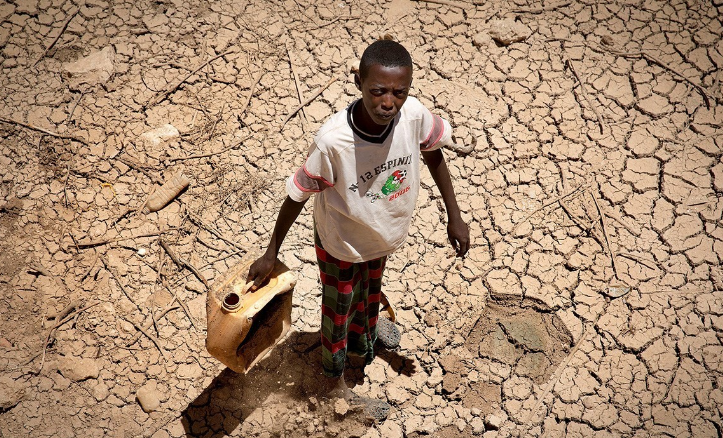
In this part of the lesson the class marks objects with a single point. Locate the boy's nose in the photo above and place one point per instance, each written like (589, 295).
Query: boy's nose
(387, 102)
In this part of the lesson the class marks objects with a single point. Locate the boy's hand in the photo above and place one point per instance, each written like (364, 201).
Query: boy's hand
(458, 234)
(260, 270)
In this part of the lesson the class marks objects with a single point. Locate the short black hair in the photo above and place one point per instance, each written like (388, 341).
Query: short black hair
(387, 53)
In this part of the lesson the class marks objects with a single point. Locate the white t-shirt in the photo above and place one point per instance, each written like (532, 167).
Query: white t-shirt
(366, 186)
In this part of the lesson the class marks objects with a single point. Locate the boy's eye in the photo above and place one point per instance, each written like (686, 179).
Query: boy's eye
(401, 93)
(376, 92)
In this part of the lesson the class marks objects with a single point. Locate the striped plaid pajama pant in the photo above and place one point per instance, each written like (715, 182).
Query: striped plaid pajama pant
(350, 308)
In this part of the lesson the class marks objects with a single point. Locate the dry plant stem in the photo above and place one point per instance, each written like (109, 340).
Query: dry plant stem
(152, 338)
(246, 104)
(43, 130)
(118, 239)
(650, 58)
(583, 90)
(158, 98)
(211, 154)
(155, 318)
(308, 100)
(120, 285)
(298, 88)
(183, 263)
(547, 204)
(607, 238)
(540, 10)
(445, 3)
(75, 105)
(183, 306)
(197, 220)
(640, 260)
(138, 167)
(90, 269)
(62, 30)
(57, 325)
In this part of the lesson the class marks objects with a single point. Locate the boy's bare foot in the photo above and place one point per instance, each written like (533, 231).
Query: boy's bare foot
(335, 387)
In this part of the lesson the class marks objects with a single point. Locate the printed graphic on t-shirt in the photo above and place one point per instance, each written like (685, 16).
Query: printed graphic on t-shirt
(391, 186)
(388, 165)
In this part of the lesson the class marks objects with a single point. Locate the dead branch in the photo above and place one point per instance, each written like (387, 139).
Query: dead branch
(43, 130)
(137, 166)
(650, 58)
(117, 280)
(182, 263)
(154, 319)
(583, 90)
(637, 259)
(197, 220)
(62, 30)
(445, 3)
(607, 238)
(211, 154)
(308, 100)
(245, 106)
(298, 87)
(541, 9)
(151, 337)
(118, 239)
(160, 97)
(68, 316)
(547, 204)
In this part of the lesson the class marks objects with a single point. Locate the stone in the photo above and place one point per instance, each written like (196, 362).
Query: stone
(160, 135)
(148, 397)
(506, 32)
(91, 70)
(493, 421)
(341, 407)
(11, 393)
(78, 369)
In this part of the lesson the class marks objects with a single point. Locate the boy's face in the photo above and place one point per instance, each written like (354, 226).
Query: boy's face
(384, 91)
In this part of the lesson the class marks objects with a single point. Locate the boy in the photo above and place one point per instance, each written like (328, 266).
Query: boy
(364, 169)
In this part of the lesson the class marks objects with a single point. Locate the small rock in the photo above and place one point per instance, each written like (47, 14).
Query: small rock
(93, 69)
(4, 343)
(493, 422)
(148, 397)
(506, 32)
(195, 286)
(11, 393)
(100, 391)
(313, 404)
(478, 426)
(159, 135)
(341, 407)
(78, 369)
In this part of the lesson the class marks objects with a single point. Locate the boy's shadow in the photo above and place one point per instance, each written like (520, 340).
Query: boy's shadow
(285, 383)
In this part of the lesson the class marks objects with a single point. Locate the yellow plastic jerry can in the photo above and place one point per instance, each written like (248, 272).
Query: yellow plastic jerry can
(243, 326)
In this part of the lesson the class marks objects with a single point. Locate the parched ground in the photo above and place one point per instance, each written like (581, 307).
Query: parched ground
(590, 303)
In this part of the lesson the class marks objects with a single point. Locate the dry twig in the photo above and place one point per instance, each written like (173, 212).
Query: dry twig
(160, 97)
(308, 100)
(154, 319)
(211, 154)
(547, 204)
(61, 320)
(583, 90)
(43, 130)
(151, 337)
(298, 88)
(540, 9)
(119, 239)
(245, 106)
(182, 263)
(445, 3)
(62, 30)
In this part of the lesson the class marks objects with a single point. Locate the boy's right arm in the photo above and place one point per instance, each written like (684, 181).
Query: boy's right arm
(263, 266)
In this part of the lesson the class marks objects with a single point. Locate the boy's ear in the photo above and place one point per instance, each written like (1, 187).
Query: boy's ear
(357, 80)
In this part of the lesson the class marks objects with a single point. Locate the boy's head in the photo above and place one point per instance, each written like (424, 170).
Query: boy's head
(384, 78)
(387, 53)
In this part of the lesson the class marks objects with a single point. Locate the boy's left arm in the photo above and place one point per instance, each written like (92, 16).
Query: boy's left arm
(457, 230)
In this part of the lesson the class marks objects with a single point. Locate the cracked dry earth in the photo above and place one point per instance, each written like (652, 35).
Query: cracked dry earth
(589, 305)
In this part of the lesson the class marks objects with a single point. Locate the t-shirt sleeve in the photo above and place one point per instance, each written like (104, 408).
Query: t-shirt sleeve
(436, 132)
(315, 175)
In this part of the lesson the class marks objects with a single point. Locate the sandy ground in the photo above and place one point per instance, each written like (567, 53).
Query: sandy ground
(590, 302)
